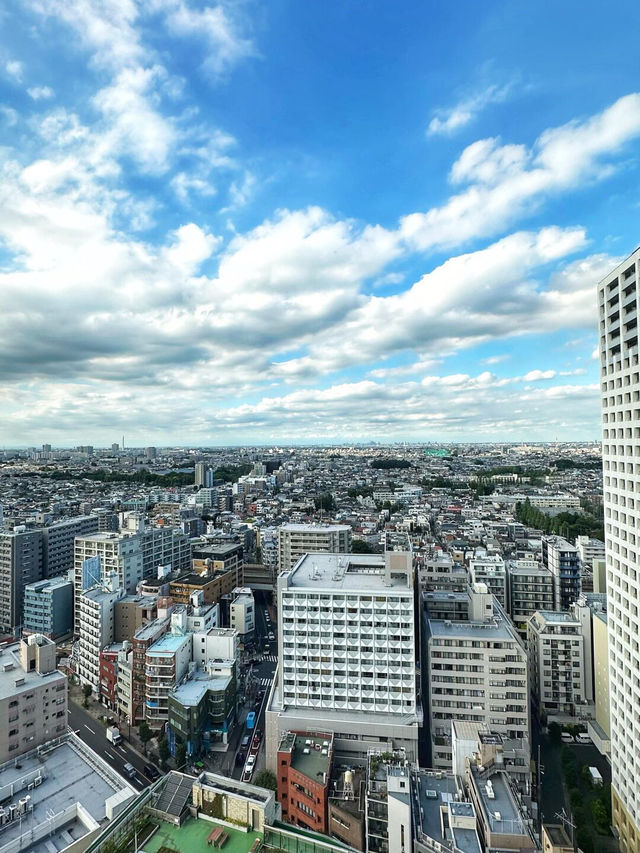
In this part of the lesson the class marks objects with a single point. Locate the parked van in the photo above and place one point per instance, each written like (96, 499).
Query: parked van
(583, 737)
(567, 738)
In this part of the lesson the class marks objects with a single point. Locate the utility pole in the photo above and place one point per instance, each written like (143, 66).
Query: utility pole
(539, 771)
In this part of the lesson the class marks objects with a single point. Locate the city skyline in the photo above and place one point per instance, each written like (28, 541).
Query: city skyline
(226, 224)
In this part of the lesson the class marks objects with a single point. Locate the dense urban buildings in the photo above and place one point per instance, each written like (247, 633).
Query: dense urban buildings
(413, 622)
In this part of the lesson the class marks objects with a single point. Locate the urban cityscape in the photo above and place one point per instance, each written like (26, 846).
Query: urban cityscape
(320, 431)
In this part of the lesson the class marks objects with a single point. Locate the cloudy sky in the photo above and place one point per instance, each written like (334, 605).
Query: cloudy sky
(330, 220)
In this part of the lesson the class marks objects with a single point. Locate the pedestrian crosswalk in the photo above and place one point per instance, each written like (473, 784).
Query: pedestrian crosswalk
(265, 682)
(270, 658)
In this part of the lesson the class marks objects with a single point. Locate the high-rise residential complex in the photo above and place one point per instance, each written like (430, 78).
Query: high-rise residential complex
(530, 589)
(474, 669)
(490, 570)
(620, 385)
(563, 561)
(21, 563)
(94, 609)
(59, 538)
(296, 540)
(347, 652)
(130, 556)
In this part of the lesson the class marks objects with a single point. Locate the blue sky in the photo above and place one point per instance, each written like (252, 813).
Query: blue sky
(271, 222)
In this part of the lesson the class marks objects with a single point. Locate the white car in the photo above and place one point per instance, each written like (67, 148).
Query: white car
(583, 737)
(567, 738)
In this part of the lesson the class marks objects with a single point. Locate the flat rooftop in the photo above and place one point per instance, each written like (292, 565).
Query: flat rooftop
(10, 657)
(361, 572)
(435, 790)
(69, 776)
(314, 528)
(196, 579)
(192, 836)
(310, 754)
(500, 809)
(190, 693)
(168, 643)
(496, 629)
(556, 616)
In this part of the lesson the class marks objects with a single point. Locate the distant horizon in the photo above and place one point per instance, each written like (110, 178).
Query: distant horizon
(287, 445)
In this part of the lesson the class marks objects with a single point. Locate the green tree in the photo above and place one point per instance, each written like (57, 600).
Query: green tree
(266, 779)
(555, 733)
(325, 502)
(145, 734)
(181, 755)
(360, 546)
(163, 750)
(86, 692)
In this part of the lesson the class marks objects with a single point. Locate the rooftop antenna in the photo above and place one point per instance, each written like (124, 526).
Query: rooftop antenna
(566, 821)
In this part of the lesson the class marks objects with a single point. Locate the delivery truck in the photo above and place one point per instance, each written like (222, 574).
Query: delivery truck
(113, 735)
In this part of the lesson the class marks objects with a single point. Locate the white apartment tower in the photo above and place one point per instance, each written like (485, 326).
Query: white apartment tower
(347, 652)
(620, 384)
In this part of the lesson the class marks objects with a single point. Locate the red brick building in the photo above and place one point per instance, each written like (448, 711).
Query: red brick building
(304, 769)
(109, 674)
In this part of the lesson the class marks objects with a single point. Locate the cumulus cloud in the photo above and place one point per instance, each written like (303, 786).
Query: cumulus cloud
(505, 180)
(134, 328)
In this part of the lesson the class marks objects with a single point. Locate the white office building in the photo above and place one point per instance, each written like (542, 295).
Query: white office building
(620, 385)
(346, 643)
(95, 609)
(556, 664)
(490, 570)
(296, 540)
(242, 613)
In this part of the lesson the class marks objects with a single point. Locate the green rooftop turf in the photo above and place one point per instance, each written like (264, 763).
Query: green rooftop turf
(192, 836)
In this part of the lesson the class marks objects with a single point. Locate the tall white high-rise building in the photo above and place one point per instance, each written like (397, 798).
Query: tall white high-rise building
(620, 385)
(347, 653)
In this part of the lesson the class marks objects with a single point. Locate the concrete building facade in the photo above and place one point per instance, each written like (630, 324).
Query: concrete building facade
(296, 540)
(48, 608)
(33, 696)
(620, 389)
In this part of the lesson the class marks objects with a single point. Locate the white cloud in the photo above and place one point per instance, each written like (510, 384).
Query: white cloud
(136, 128)
(14, 69)
(216, 26)
(496, 359)
(480, 296)
(505, 181)
(40, 93)
(538, 375)
(446, 122)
